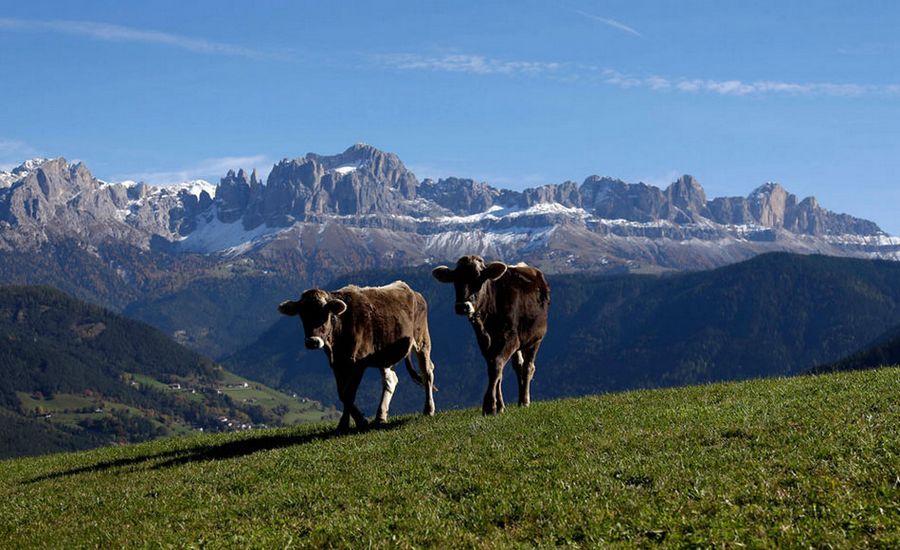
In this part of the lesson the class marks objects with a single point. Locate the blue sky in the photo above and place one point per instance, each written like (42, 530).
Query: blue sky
(516, 93)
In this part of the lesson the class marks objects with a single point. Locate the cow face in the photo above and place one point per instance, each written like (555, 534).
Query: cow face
(468, 279)
(317, 311)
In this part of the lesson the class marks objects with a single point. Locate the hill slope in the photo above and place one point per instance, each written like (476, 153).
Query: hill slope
(775, 315)
(73, 375)
(809, 461)
(885, 350)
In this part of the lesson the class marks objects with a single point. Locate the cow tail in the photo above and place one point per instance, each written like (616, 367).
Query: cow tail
(412, 371)
(417, 378)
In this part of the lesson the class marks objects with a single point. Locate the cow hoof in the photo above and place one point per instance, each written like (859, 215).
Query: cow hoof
(378, 422)
(429, 411)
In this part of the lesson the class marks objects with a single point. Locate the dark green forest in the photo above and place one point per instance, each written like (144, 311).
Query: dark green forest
(885, 350)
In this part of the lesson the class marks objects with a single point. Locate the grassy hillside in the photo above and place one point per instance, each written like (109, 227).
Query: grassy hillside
(775, 463)
(774, 315)
(73, 376)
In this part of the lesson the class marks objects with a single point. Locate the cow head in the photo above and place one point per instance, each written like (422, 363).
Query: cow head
(468, 279)
(317, 310)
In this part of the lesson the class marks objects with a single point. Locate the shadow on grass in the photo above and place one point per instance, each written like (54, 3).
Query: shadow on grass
(220, 451)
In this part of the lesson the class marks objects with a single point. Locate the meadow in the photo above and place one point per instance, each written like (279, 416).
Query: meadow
(786, 462)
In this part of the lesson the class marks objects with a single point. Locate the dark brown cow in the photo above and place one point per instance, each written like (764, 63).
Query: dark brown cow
(368, 327)
(507, 306)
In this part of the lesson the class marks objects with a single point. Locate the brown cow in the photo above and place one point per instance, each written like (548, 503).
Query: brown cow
(508, 307)
(368, 327)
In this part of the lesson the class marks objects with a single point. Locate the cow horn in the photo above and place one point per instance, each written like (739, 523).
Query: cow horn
(494, 270)
(336, 306)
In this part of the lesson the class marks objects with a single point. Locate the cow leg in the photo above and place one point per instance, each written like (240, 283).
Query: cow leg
(347, 393)
(493, 397)
(528, 356)
(426, 367)
(498, 389)
(489, 406)
(518, 362)
(388, 383)
(341, 382)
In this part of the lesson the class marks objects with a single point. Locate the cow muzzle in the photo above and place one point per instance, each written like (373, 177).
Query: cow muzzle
(315, 343)
(465, 308)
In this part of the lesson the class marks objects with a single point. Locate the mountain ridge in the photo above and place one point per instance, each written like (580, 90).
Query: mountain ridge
(366, 199)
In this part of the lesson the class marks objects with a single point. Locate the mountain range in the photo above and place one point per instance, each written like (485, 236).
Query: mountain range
(364, 209)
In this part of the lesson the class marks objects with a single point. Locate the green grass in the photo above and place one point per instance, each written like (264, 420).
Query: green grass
(809, 461)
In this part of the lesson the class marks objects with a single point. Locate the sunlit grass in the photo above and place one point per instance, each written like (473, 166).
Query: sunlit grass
(781, 462)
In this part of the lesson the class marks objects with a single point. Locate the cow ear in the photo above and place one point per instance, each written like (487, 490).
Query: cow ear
(443, 274)
(289, 308)
(337, 307)
(494, 270)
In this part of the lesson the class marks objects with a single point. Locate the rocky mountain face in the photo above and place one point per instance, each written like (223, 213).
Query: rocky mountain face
(364, 209)
(43, 199)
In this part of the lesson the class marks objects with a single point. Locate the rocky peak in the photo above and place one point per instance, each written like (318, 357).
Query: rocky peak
(40, 185)
(613, 199)
(233, 195)
(29, 166)
(458, 195)
(769, 204)
(686, 192)
(360, 181)
(686, 200)
(566, 194)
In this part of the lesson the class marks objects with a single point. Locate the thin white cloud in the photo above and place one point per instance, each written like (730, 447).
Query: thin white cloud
(618, 25)
(463, 63)
(209, 169)
(120, 33)
(569, 72)
(741, 88)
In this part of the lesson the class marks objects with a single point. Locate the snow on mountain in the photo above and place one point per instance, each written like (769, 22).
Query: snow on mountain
(344, 170)
(20, 171)
(215, 236)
